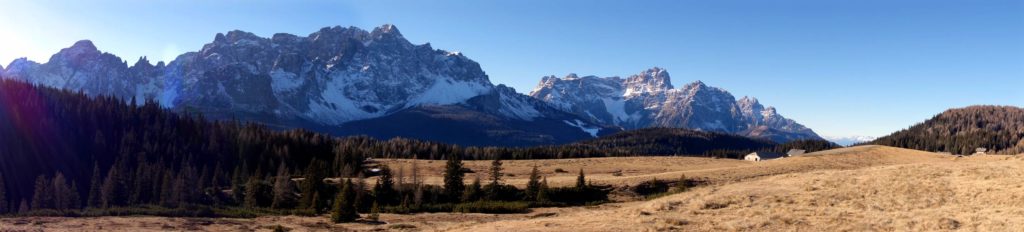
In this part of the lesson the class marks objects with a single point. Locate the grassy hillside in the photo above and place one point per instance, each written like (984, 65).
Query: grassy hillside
(875, 189)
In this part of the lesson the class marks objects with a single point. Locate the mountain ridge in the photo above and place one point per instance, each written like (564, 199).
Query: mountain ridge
(648, 99)
(337, 77)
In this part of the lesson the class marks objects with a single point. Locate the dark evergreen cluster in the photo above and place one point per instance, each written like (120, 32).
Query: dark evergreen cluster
(102, 152)
(64, 150)
(1000, 129)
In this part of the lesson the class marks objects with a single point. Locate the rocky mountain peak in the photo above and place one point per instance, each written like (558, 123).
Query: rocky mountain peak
(83, 49)
(385, 32)
(84, 46)
(142, 62)
(648, 99)
(652, 80)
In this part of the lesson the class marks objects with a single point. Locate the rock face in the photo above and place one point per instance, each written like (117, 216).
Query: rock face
(648, 99)
(323, 81)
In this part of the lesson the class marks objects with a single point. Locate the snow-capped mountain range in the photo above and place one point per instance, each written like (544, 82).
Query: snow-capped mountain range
(648, 99)
(349, 81)
(849, 140)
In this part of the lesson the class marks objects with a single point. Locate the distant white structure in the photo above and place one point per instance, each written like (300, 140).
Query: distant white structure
(980, 151)
(795, 152)
(759, 156)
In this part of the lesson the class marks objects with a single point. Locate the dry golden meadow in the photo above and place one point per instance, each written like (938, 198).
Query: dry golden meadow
(867, 188)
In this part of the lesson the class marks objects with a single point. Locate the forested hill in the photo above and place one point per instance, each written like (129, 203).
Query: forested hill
(101, 151)
(962, 130)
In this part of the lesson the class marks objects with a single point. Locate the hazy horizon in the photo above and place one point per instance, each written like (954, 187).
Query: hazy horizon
(841, 68)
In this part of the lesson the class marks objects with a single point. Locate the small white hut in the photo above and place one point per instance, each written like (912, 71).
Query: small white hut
(759, 156)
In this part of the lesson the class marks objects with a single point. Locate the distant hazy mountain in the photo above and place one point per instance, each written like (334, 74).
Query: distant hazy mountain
(1000, 129)
(648, 99)
(332, 80)
(849, 140)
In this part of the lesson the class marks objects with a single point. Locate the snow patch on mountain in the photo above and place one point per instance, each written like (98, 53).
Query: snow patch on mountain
(446, 91)
(583, 127)
(648, 99)
(283, 81)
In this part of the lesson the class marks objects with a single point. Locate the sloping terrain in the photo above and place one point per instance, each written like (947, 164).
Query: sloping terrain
(1000, 129)
(916, 191)
(865, 188)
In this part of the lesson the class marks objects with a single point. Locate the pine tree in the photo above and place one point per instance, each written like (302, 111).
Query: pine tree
(473, 191)
(494, 188)
(496, 172)
(454, 183)
(533, 185)
(113, 192)
(542, 191)
(167, 195)
(3, 196)
(283, 190)
(417, 184)
(42, 197)
(360, 191)
(312, 184)
(384, 191)
(317, 204)
(23, 207)
(581, 182)
(61, 192)
(252, 192)
(375, 212)
(344, 211)
(75, 199)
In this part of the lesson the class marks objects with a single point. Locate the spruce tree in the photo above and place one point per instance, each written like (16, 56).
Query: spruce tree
(360, 191)
(384, 191)
(375, 212)
(61, 192)
(75, 200)
(313, 183)
(581, 181)
(473, 191)
(454, 178)
(283, 190)
(533, 185)
(23, 207)
(252, 192)
(496, 172)
(494, 188)
(3, 196)
(344, 211)
(542, 191)
(113, 191)
(42, 197)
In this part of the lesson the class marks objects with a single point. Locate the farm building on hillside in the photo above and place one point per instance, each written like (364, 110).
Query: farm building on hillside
(795, 152)
(759, 156)
(980, 151)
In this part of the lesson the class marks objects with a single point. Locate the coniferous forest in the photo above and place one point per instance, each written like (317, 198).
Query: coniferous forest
(64, 151)
(999, 129)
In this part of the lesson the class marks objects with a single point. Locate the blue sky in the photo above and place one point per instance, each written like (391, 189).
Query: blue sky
(840, 67)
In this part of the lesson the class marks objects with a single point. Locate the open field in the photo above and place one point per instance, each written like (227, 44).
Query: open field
(865, 188)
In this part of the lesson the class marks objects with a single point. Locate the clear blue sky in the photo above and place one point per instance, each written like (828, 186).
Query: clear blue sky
(840, 67)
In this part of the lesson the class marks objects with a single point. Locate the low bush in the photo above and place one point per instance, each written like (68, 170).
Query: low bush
(496, 207)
